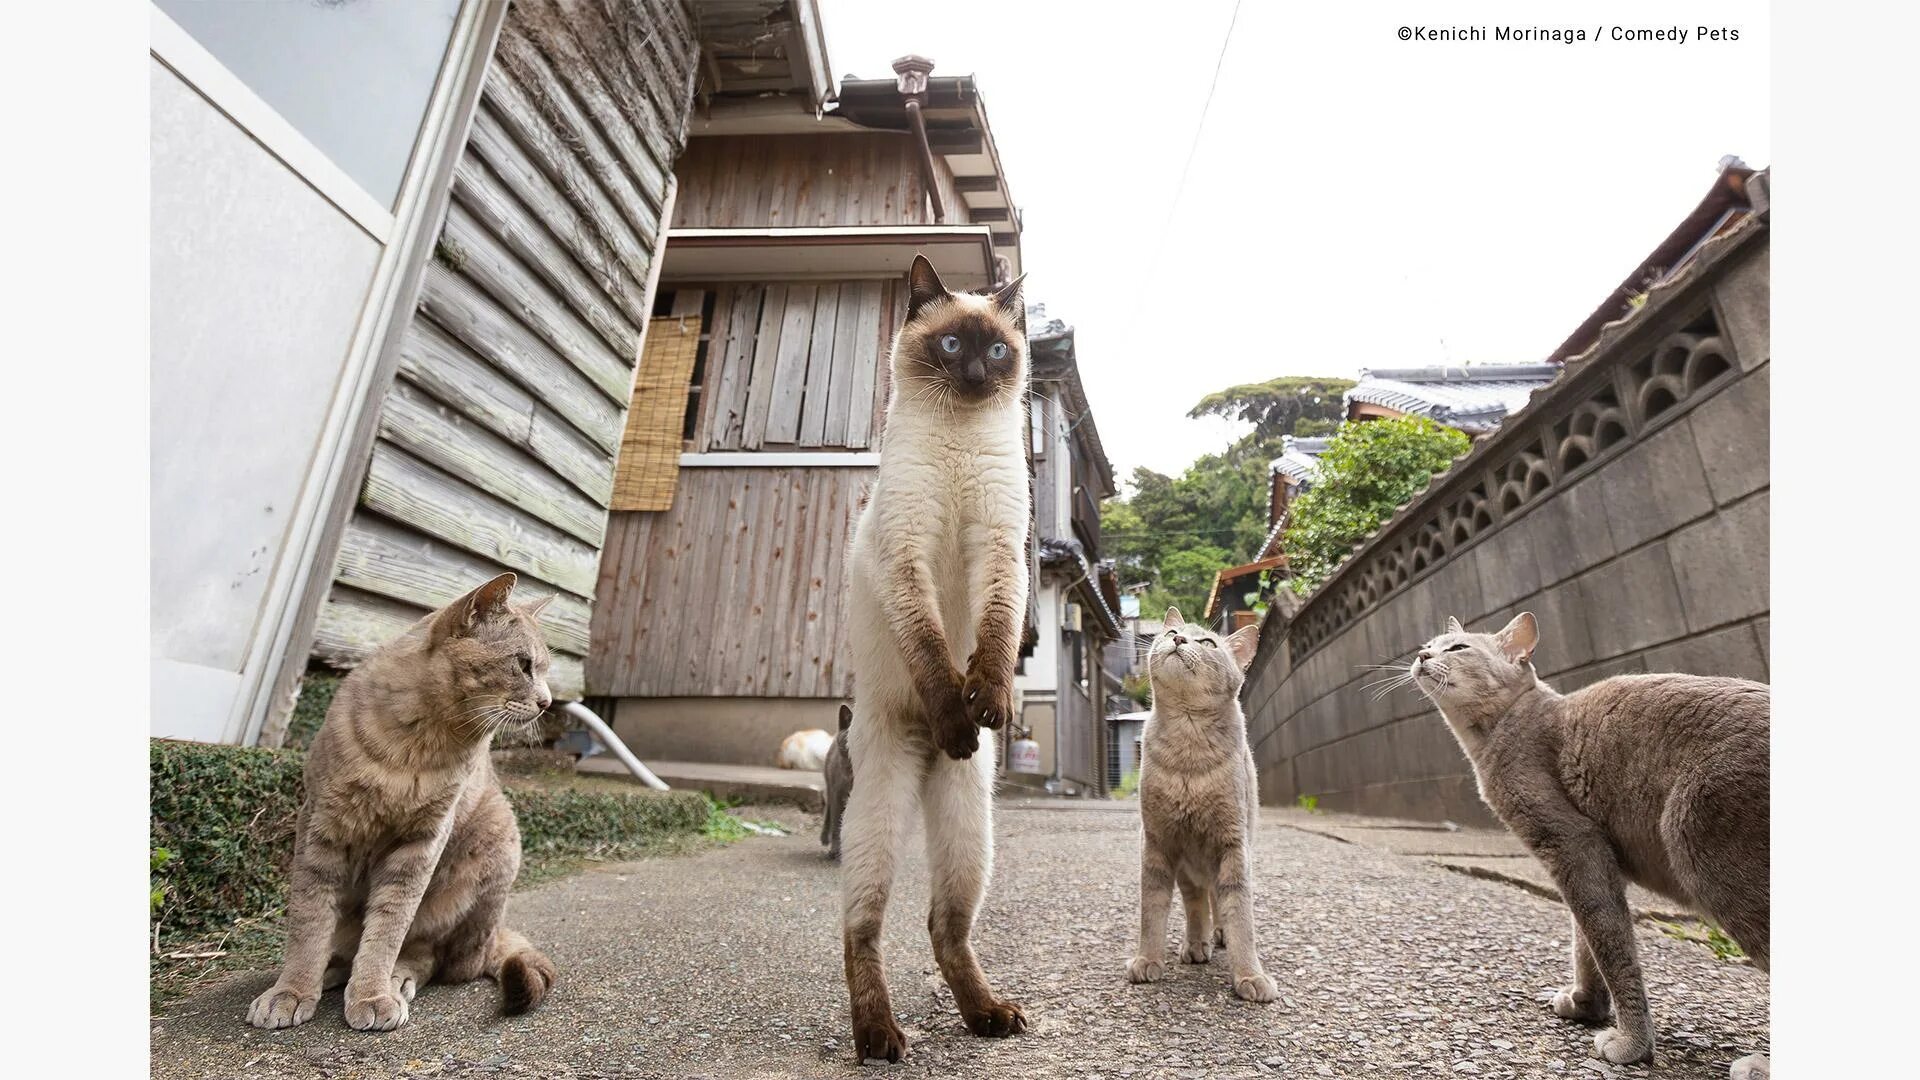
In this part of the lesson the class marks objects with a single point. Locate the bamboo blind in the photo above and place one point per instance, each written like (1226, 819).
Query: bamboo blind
(649, 464)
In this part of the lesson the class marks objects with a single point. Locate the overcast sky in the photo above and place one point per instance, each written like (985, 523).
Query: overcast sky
(1355, 200)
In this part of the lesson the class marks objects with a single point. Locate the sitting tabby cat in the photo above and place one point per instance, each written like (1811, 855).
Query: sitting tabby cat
(1199, 799)
(1660, 780)
(405, 848)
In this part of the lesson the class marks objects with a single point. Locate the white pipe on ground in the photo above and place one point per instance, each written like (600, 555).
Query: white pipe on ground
(612, 742)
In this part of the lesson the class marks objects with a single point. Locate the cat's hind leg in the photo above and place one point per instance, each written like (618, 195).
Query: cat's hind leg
(1196, 898)
(413, 969)
(872, 827)
(957, 805)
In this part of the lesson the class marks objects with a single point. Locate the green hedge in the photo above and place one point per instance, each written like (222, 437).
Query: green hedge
(225, 816)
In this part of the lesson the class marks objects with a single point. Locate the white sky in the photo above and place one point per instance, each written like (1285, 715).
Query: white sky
(1355, 200)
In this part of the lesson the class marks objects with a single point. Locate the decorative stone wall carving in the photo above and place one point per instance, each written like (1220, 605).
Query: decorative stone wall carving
(1560, 436)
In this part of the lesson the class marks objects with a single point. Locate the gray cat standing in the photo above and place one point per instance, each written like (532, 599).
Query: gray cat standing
(1199, 799)
(1661, 780)
(839, 775)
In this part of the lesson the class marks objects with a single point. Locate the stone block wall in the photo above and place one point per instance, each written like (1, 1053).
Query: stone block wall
(1626, 507)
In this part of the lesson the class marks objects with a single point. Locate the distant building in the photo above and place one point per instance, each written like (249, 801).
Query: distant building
(1473, 398)
(1066, 680)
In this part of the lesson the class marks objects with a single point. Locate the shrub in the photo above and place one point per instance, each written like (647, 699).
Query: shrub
(1369, 469)
(223, 817)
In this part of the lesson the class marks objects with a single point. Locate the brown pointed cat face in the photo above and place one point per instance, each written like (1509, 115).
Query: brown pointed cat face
(962, 348)
(491, 658)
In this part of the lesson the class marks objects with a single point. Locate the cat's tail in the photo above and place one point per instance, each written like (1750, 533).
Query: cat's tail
(523, 972)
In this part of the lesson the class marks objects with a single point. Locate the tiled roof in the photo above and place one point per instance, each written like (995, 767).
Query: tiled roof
(1053, 358)
(1300, 458)
(1474, 398)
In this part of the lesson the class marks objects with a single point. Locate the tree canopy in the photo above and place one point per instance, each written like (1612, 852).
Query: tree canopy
(1368, 470)
(1175, 534)
(1305, 405)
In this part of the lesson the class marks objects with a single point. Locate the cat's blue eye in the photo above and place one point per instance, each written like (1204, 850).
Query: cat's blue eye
(526, 666)
(950, 345)
(998, 351)
(1210, 643)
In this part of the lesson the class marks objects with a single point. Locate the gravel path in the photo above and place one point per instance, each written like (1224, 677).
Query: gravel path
(727, 964)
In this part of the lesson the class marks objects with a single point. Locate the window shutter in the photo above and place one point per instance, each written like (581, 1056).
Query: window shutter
(649, 466)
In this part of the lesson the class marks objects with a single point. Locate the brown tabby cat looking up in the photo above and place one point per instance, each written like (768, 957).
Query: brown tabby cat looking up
(1199, 800)
(405, 848)
(1660, 780)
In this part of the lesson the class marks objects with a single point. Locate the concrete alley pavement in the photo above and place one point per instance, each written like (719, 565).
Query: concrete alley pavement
(727, 964)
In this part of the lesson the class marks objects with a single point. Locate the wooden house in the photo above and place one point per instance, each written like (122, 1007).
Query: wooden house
(405, 262)
(717, 626)
(1065, 681)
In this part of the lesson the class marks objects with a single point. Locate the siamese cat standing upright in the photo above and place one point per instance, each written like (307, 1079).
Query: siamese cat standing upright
(937, 576)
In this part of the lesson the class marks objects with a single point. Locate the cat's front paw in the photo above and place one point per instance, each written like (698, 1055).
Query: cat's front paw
(1145, 969)
(988, 696)
(956, 736)
(1258, 987)
(282, 1007)
(1621, 1047)
(1585, 1006)
(376, 1012)
(998, 1020)
(1197, 952)
(879, 1039)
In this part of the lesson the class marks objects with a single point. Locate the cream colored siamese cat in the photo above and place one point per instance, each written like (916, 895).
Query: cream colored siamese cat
(937, 576)
(1660, 780)
(1199, 799)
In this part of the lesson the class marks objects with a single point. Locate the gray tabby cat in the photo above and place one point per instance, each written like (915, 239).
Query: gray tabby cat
(1199, 799)
(1660, 780)
(839, 770)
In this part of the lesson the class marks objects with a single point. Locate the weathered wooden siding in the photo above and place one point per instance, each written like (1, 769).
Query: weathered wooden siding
(737, 591)
(785, 181)
(798, 366)
(497, 441)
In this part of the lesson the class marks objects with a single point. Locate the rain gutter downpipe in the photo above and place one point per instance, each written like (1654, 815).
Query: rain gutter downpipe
(913, 72)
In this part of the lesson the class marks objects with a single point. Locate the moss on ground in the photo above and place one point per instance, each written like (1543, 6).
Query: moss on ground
(221, 834)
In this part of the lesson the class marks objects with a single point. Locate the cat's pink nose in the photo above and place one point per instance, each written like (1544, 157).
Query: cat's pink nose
(1426, 654)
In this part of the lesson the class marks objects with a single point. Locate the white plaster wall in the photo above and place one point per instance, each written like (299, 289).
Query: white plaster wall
(257, 283)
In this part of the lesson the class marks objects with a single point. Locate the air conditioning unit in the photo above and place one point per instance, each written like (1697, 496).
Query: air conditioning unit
(1073, 618)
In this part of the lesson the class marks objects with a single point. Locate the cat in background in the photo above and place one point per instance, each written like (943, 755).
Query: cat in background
(937, 591)
(405, 848)
(1660, 780)
(839, 785)
(1199, 799)
(805, 750)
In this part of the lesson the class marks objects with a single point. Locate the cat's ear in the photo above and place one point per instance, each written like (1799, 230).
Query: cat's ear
(846, 716)
(1244, 642)
(460, 616)
(1011, 301)
(533, 610)
(1518, 637)
(1454, 627)
(1173, 618)
(923, 286)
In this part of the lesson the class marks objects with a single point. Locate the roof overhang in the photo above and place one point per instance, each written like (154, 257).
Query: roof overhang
(962, 253)
(959, 134)
(1233, 573)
